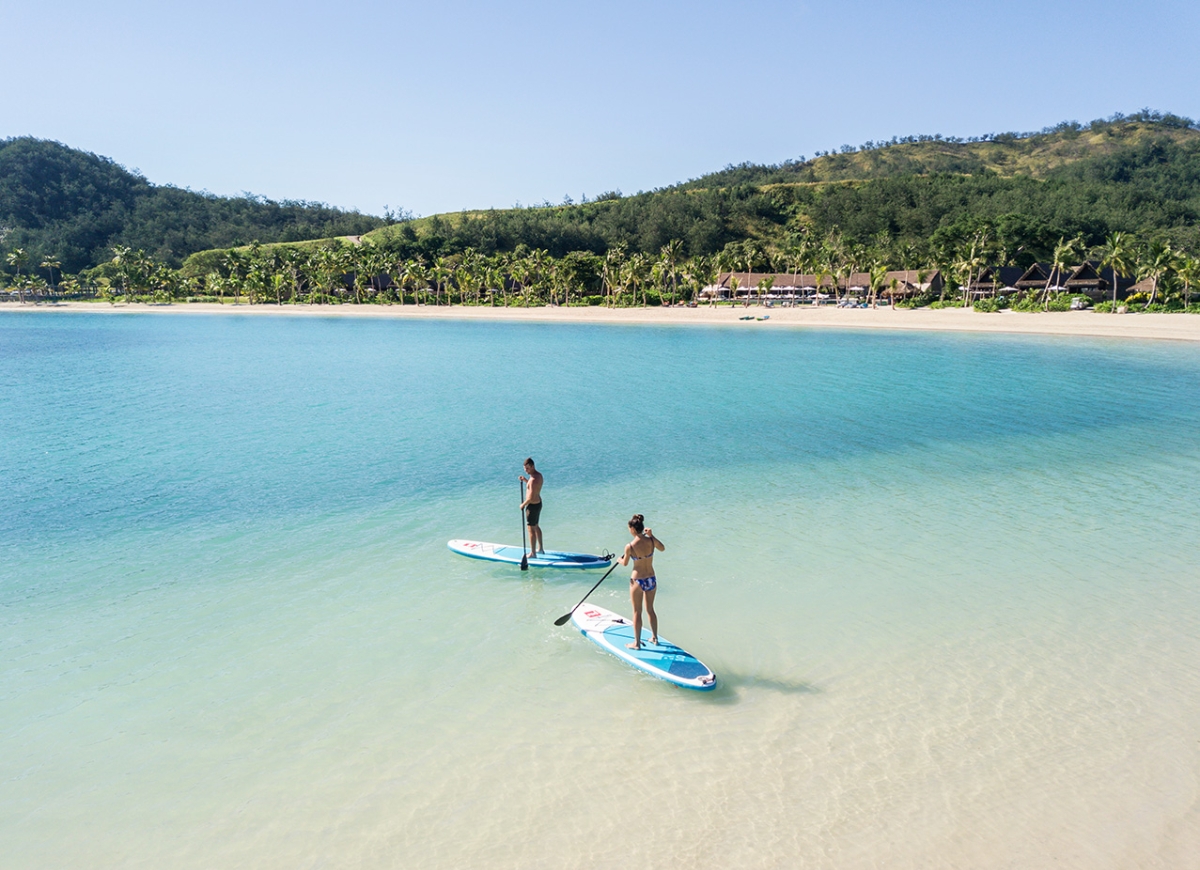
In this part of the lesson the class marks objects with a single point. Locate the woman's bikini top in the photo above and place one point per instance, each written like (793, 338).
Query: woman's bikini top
(647, 556)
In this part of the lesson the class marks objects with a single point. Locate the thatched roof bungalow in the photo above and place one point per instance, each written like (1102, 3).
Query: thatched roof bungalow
(1037, 276)
(1086, 279)
(788, 285)
(994, 279)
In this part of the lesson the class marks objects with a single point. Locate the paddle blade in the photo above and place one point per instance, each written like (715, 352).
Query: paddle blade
(562, 620)
(524, 563)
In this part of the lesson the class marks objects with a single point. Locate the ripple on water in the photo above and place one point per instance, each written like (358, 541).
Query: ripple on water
(946, 582)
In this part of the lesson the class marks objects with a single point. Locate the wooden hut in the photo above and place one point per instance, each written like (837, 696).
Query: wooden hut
(1039, 275)
(993, 280)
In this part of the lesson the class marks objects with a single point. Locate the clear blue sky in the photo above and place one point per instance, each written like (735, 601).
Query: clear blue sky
(463, 104)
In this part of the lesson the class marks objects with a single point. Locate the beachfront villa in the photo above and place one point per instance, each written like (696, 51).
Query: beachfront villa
(817, 289)
(1085, 279)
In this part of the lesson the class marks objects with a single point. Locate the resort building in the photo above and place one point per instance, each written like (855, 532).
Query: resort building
(811, 288)
(1086, 279)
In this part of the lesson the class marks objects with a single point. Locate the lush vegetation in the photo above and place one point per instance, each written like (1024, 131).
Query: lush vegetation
(1138, 175)
(73, 207)
(1124, 192)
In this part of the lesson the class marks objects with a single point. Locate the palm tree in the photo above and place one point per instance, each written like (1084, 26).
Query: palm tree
(17, 258)
(671, 254)
(1117, 254)
(639, 272)
(1153, 262)
(724, 262)
(1188, 268)
(51, 264)
(878, 276)
(236, 269)
(701, 271)
(330, 266)
(1065, 252)
(214, 282)
(496, 280)
(419, 276)
(765, 284)
(539, 271)
(614, 269)
(831, 265)
(122, 262)
(467, 275)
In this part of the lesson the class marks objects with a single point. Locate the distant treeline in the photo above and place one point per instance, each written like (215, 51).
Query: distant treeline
(804, 170)
(74, 207)
(1147, 185)
(915, 198)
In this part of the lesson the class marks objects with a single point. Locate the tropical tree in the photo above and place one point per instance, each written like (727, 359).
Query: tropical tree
(701, 272)
(50, 264)
(612, 272)
(671, 254)
(639, 273)
(973, 261)
(878, 277)
(765, 284)
(1066, 252)
(123, 261)
(418, 277)
(1154, 261)
(214, 282)
(1188, 268)
(1116, 253)
(724, 262)
(16, 258)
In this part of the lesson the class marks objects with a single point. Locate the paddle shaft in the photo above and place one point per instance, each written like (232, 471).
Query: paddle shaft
(563, 619)
(524, 554)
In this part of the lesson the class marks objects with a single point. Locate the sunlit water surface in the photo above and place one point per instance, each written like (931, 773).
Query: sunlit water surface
(948, 584)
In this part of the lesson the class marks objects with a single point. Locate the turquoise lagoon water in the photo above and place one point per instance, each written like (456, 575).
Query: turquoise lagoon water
(948, 583)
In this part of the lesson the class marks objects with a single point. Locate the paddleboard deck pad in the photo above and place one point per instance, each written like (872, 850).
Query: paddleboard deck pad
(512, 555)
(664, 659)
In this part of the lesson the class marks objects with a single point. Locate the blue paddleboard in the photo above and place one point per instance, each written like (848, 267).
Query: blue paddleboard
(512, 555)
(664, 659)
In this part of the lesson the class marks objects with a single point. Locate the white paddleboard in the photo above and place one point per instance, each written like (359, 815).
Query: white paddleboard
(664, 659)
(512, 555)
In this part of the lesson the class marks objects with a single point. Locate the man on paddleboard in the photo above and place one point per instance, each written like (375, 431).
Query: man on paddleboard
(533, 506)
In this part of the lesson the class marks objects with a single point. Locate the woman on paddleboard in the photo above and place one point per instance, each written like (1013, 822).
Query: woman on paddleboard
(642, 583)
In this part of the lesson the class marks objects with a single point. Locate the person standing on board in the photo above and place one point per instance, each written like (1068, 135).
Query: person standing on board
(533, 506)
(642, 583)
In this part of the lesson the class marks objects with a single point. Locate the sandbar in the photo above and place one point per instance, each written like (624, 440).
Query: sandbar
(1170, 327)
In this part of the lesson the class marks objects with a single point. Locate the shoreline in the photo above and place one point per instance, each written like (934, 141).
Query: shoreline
(1162, 327)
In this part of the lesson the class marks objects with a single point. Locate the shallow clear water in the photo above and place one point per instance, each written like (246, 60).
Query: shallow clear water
(948, 584)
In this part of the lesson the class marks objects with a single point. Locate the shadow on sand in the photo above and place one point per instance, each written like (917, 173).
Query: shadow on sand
(732, 685)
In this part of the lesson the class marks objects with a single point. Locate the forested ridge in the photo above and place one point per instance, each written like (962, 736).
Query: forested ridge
(1123, 192)
(74, 207)
(1138, 174)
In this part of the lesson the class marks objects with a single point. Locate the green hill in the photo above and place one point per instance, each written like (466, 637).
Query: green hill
(1139, 174)
(1034, 155)
(74, 206)
(913, 197)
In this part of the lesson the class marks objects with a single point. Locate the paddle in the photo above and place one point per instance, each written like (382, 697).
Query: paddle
(524, 555)
(563, 619)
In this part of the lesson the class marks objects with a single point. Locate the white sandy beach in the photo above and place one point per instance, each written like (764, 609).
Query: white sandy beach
(1174, 327)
